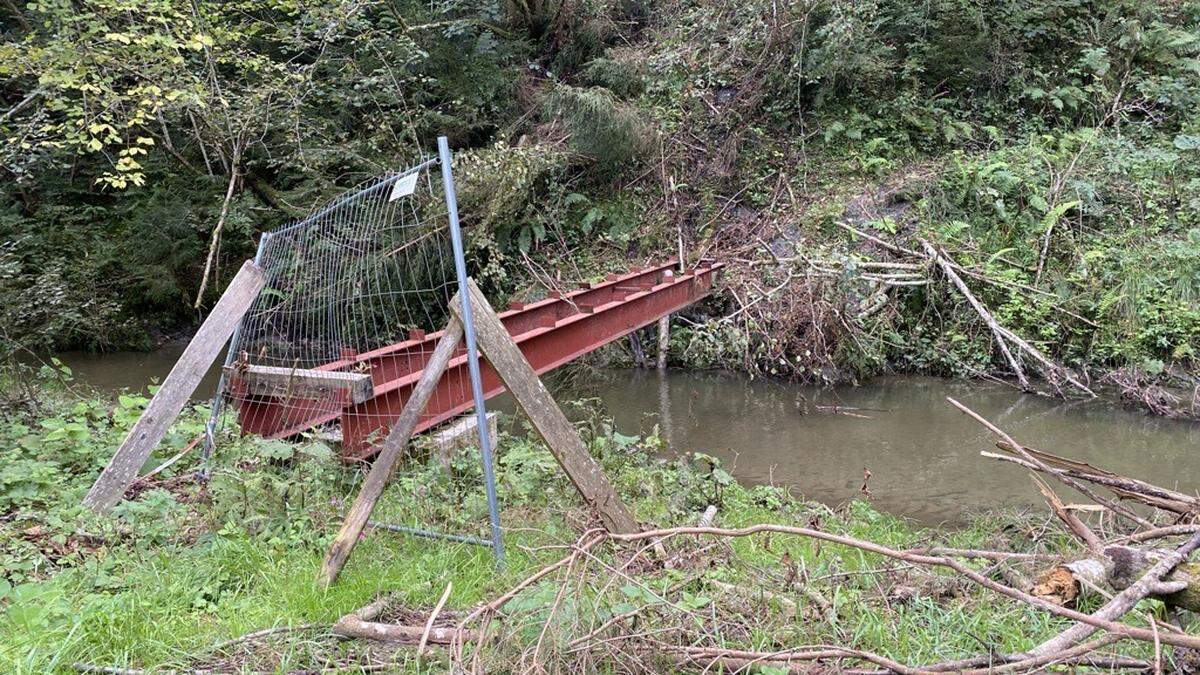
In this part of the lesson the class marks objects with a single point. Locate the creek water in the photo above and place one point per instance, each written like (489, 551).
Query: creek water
(923, 454)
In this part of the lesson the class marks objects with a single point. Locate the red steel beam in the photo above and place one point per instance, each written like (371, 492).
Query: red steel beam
(549, 332)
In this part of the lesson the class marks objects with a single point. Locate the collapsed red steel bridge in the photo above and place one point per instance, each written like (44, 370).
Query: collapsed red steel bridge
(549, 332)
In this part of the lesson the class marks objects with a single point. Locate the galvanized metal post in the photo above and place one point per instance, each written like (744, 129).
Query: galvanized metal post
(460, 267)
(210, 428)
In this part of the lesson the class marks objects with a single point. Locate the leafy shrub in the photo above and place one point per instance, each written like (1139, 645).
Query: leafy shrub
(611, 134)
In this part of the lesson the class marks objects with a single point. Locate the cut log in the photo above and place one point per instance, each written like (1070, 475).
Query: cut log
(176, 389)
(300, 383)
(1165, 574)
(1118, 567)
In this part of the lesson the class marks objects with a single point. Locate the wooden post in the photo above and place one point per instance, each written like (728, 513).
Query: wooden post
(393, 445)
(535, 401)
(176, 389)
(664, 335)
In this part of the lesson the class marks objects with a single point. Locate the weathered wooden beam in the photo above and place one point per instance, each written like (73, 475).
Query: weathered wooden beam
(397, 439)
(176, 389)
(300, 382)
(535, 401)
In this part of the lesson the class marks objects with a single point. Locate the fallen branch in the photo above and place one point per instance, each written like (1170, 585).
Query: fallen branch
(1130, 488)
(264, 633)
(576, 551)
(942, 261)
(1051, 367)
(790, 660)
(1069, 481)
(109, 670)
(1134, 632)
(1073, 523)
(437, 609)
(358, 624)
(1160, 532)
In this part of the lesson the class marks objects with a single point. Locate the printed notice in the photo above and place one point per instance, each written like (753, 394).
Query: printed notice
(405, 186)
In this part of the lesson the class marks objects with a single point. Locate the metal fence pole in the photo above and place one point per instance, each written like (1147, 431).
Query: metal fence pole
(218, 403)
(460, 267)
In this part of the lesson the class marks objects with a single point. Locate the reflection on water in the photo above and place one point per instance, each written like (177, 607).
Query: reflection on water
(117, 371)
(923, 454)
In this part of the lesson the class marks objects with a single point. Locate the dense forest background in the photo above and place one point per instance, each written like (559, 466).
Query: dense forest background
(1048, 146)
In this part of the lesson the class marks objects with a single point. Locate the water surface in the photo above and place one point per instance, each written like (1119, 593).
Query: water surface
(133, 371)
(923, 454)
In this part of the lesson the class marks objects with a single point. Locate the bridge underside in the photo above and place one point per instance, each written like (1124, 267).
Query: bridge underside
(549, 332)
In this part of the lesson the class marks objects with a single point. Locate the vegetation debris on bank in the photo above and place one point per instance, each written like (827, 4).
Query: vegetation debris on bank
(220, 575)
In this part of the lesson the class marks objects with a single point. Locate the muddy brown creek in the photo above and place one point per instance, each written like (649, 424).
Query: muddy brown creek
(922, 454)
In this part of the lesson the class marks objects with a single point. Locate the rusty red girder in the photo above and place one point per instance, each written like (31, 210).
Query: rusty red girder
(549, 332)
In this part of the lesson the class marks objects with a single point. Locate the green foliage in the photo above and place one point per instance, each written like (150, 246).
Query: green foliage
(177, 574)
(623, 77)
(124, 121)
(609, 133)
(1120, 235)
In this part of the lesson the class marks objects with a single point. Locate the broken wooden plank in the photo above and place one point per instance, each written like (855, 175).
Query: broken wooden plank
(300, 383)
(176, 389)
(535, 401)
(397, 439)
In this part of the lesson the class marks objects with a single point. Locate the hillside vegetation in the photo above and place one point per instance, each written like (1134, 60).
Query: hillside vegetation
(1049, 148)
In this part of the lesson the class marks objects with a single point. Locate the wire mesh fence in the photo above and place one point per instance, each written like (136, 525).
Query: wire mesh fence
(357, 275)
(356, 297)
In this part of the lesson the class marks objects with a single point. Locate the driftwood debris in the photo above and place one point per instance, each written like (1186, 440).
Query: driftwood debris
(1124, 487)
(1005, 339)
(1061, 476)
(940, 259)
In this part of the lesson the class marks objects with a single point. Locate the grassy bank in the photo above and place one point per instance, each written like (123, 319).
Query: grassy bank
(182, 568)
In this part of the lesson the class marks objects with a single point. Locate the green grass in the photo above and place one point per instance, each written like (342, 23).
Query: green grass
(179, 572)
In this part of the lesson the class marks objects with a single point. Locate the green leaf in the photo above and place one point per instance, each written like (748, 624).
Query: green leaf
(275, 449)
(1187, 142)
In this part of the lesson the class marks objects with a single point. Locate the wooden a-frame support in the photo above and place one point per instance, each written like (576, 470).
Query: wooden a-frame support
(532, 397)
(178, 386)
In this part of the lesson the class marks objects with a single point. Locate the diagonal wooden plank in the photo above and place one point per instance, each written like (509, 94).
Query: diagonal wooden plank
(397, 439)
(176, 389)
(535, 401)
